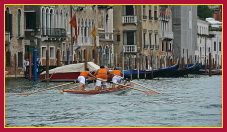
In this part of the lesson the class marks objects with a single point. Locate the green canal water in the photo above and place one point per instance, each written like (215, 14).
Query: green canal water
(194, 101)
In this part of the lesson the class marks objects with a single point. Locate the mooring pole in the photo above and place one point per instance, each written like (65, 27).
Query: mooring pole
(58, 57)
(30, 66)
(68, 56)
(47, 65)
(35, 64)
(86, 59)
(210, 65)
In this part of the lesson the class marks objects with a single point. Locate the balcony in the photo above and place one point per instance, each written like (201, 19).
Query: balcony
(156, 47)
(129, 48)
(152, 47)
(144, 17)
(84, 41)
(7, 38)
(167, 35)
(54, 32)
(129, 19)
(145, 46)
(104, 36)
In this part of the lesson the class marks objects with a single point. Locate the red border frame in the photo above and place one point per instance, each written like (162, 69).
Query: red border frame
(100, 2)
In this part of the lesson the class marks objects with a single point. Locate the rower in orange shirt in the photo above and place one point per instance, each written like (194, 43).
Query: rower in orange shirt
(117, 77)
(101, 77)
(82, 78)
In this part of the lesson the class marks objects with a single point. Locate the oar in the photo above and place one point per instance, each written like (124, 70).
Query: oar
(37, 91)
(146, 92)
(151, 91)
(62, 90)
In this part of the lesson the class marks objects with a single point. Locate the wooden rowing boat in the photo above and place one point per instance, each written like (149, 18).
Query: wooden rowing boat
(117, 90)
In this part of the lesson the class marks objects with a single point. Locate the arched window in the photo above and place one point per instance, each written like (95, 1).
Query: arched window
(8, 21)
(43, 21)
(7, 10)
(67, 25)
(89, 26)
(78, 26)
(107, 50)
(51, 18)
(82, 29)
(85, 28)
(100, 56)
(92, 23)
(84, 55)
(79, 56)
(61, 19)
(47, 21)
(19, 25)
(56, 19)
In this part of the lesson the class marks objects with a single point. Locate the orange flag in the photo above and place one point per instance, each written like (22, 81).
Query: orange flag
(93, 32)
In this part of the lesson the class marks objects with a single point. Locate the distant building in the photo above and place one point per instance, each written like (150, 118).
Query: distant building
(216, 48)
(203, 42)
(215, 33)
(185, 32)
(209, 40)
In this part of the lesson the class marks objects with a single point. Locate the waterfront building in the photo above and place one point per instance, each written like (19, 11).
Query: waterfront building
(14, 40)
(203, 42)
(215, 34)
(48, 28)
(105, 39)
(209, 40)
(137, 36)
(100, 18)
(166, 36)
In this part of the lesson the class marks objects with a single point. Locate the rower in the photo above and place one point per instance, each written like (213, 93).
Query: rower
(117, 77)
(101, 77)
(82, 78)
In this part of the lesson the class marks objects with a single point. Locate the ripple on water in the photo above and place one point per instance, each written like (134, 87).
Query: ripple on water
(182, 102)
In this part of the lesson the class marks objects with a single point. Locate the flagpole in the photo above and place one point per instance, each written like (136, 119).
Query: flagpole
(71, 31)
(95, 48)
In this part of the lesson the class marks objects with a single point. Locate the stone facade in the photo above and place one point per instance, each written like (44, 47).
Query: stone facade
(137, 36)
(166, 36)
(203, 42)
(14, 46)
(47, 27)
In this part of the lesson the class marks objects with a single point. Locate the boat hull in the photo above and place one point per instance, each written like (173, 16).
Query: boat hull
(68, 72)
(58, 77)
(118, 90)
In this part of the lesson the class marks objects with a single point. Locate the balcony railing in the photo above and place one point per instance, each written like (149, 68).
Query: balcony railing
(168, 35)
(129, 19)
(7, 38)
(145, 46)
(54, 32)
(84, 41)
(129, 48)
(144, 17)
(156, 47)
(152, 47)
(104, 36)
